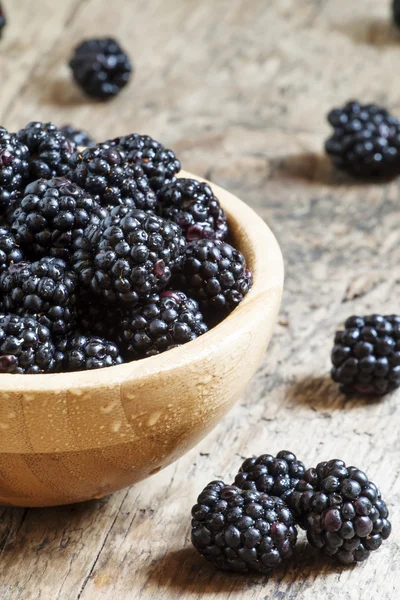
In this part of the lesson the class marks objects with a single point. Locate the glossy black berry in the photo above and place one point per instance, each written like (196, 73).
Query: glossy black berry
(14, 169)
(50, 151)
(366, 140)
(342, 511)
(77, 136)
(100, 67)
(215, 274)
(159, 323)
(25, 346)
(89, 352)
(45, 289)
(242, 530)
(366, 354)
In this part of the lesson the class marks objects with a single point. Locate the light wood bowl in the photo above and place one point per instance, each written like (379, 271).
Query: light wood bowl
(71, 437)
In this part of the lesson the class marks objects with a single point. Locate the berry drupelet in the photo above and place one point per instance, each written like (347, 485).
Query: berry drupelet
(103, 173)
(25, 346)
(161, 322)
(214, 273)
(45, 289)
(100, 67)
(341, 510)
(366, 354)
(277, 476)
(241, 530)
(14, 169)
(129, 256)
(51, 214)
(194, 207)
(89, 352)
(10, 252)
(366, 140)
(77, 136)
(50, 151)
(159, 164)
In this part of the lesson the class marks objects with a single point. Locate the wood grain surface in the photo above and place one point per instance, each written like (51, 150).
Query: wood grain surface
(240, 90)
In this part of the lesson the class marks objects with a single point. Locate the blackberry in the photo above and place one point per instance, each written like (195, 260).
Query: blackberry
(100, 67)
(194, 207)
(10, 252)
(366, 140)
(3, 21)
(396, 12)
(366, 355)
(159, 164)
(160, 323)
(83, 352)
(275, 476)
(129, 256)
(49, 149)
(77, 136)
(25, 346)
(45, 290)
(214, 273)
(51, 214)
(240, 530)
(342, 511)
(103, 173)
(14, 169)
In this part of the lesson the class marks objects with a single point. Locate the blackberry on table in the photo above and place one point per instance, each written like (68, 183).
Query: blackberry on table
(45, 289)
(159, 163)
(51, 214)
(14, 169)
(242, 530)
(25, 346)
(90, 352)
(366, 140)
(100, 67)
(277, 476)
(214, 273)
(10, 252)
(104, 173)
(129, 256)
(161, 322)
(77, 136)
(342, 511)
(366, 354)
(194, 207)
(50, 151)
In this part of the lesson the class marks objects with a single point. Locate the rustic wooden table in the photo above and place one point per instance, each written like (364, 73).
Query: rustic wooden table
(240, 90)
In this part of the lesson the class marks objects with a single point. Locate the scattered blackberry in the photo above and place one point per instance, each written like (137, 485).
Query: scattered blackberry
(103, 172)
(341, 510)
(194, 207)
(159, 323)
(51, 214)
(159, 164)
(100, 67)
(45, 290)
(240, 530)
(366, 355)
(276, 476)
(366, 140)
(94, 320)
(82, 353)
(214, 273)
(10, 252)
(50, 151)
(77, 136)
(25, 346)
(3, 21)
(396, 12)
(129, 256)
(14, 169)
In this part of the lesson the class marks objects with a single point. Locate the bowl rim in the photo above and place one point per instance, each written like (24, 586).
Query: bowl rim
(263, 256)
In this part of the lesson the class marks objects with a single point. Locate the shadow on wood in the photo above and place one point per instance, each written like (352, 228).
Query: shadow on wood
(370, 30)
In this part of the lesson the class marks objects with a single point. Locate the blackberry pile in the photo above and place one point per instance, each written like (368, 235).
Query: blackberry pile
(100, 67)
(95, 250)
(365, 141)
(366, 355)
(252, 524)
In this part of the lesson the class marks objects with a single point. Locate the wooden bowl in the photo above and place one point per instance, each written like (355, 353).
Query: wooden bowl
(71, 437)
